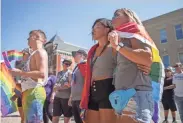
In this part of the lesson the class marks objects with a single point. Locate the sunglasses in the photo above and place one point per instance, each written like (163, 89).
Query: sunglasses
(67, 64)
(115, 16)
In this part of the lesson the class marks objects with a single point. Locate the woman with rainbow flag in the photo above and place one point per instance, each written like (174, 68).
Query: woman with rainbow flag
(134, 47)
(101, 64)
(20, 65)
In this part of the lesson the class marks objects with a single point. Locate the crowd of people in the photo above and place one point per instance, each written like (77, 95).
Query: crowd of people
(114, 63)
(173, 92)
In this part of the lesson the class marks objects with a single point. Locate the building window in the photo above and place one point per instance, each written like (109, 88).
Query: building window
(163, 36)
(178, 31)
(181, 57)
(166, 61)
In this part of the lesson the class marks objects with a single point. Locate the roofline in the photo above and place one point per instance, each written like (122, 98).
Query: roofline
(180, 9)
(64, 42)
(63, 51)
(75, 45)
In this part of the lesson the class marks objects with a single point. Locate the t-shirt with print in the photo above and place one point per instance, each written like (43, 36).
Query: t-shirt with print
(178, 81)
(63, 77)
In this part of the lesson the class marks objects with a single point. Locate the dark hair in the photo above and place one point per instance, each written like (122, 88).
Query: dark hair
(40, 32)
(18, 64)
(26, 50)
(105, 22)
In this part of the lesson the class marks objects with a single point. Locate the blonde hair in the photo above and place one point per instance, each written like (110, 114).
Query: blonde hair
(131, 14)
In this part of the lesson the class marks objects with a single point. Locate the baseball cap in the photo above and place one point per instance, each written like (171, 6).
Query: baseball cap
(169, 69)
(80, 51)
(178, 65)
(67, 61)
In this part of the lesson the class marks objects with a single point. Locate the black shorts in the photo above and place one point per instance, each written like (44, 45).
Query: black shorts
(19, 102)
(169, 104)
(60, 106)
(76, 111)
(99, 94)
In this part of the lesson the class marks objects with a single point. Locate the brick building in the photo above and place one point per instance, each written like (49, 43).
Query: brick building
(58, 50)
(167, 32)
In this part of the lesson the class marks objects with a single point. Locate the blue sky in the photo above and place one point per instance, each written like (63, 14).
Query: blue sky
(70, 19)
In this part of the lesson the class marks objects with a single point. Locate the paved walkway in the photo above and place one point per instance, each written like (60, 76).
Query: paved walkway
(14, 118)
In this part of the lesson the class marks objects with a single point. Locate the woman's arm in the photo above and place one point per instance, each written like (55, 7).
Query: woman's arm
(169, 87)
(140, 53)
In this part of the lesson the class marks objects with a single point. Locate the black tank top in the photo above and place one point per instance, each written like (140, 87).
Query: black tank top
(170, 92)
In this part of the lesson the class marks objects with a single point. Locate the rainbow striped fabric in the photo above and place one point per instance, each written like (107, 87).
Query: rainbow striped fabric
(14, 55)
(157, 74)
(7, 85)
(132, 30)
(6, 61)
(33, 102)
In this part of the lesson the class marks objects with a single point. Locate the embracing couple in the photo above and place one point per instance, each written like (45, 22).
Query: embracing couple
(120, 71)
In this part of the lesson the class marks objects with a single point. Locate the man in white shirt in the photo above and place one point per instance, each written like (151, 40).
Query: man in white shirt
(178, 81)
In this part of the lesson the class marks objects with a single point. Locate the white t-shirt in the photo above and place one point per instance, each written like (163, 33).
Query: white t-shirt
(178, 81)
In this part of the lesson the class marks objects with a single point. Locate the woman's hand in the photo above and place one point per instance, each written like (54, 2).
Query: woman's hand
(56, 87)
(66, 85)
(16, 72)
(13, 98)
(52, 97)
(113, 39)
(69, 102)
(145, 69)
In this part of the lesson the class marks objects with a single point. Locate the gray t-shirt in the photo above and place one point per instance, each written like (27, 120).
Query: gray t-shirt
(105, 64)
(127, 75)
(62, 77)
(77, 84)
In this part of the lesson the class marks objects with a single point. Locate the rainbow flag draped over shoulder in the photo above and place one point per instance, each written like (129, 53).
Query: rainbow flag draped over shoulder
(14, 55)
(132, 30)
(7, 85)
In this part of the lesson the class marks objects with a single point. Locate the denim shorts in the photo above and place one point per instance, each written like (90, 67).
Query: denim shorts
(145, 106)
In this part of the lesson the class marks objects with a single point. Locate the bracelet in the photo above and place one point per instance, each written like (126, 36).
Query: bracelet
(118, 48)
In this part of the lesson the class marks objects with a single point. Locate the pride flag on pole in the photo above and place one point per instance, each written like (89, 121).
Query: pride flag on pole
(8, 65)
(14, 55)
(7, 85)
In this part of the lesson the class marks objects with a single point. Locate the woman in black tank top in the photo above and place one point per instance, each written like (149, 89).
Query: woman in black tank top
(168, 96)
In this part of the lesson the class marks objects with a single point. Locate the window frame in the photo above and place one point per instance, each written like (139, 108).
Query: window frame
(179, 57)
(166, 36)
(176, 33)
(168, 59)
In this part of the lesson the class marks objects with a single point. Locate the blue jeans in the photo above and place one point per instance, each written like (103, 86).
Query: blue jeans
(179, 102)
(145, 106)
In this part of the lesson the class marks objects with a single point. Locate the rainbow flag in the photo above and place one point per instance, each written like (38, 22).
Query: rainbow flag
(132, 30)
(6, 61)
(157, 74)
(14, 55)
(8, 65)
(7, 85)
